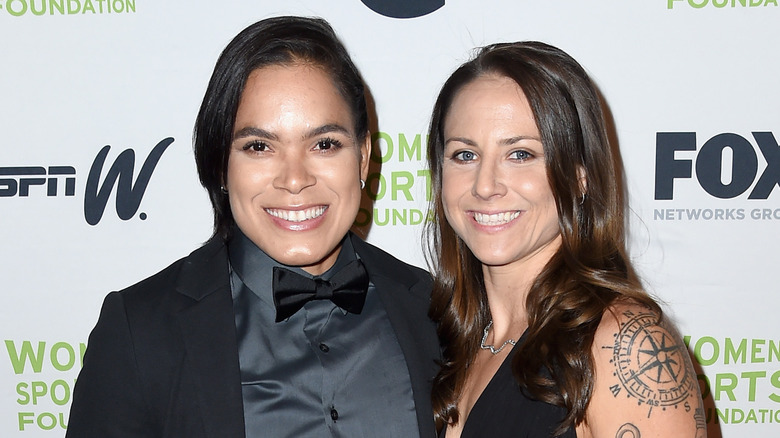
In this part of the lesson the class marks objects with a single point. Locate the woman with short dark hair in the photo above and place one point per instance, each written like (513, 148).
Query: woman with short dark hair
(284, 324)
(274, 41)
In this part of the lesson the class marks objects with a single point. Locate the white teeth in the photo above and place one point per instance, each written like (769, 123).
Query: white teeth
(297, 215)
(496, 218)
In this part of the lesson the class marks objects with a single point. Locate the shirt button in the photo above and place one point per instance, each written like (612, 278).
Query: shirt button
(324, 348)
(334, 414)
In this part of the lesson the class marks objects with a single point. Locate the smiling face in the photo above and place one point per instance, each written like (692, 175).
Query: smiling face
(295, 165)
(495, 191)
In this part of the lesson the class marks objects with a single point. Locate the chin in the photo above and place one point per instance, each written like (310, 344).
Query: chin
(314, 261)
(300, 259)
(494, 259)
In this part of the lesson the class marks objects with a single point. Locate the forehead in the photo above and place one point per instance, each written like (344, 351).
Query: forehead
(303, 89)
(296, 77)
(489, 102)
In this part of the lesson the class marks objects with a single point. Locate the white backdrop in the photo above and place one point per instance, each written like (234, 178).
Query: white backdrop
(78, 75)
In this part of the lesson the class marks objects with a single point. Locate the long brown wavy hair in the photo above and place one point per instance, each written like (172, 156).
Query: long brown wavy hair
(590, 270)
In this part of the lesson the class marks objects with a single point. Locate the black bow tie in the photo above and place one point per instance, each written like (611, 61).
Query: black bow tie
(347, 289)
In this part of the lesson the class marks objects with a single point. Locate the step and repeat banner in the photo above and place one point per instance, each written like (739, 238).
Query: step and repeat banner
(98, 187)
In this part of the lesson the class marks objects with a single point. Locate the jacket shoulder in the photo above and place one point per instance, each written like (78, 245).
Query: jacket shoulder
(196, 275)
(380, 262)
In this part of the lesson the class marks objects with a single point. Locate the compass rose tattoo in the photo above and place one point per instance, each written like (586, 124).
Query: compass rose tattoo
(653, 366)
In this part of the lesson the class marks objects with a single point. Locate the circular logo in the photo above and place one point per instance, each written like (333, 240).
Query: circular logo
(403, 8)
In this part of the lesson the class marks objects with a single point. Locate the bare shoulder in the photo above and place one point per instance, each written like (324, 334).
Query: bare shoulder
(645, 385)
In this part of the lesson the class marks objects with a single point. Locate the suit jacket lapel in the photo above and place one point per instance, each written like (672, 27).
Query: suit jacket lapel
(208, 333)
(408, 314)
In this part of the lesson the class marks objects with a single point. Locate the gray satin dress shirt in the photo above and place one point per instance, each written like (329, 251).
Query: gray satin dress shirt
(323, 372)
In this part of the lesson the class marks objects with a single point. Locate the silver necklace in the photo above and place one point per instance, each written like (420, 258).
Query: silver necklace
(493, 349)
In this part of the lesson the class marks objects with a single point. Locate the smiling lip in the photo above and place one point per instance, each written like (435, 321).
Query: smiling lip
(297, 216)
(495, 219)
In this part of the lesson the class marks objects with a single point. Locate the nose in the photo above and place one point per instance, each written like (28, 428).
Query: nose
(294, 175)
(487, 181)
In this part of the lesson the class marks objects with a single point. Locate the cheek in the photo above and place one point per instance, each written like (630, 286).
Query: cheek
(451, 186)
(446, 195)
(342, 184)
(547, 202)
(244, 185)
(344, 175)
(449, 204)
(237, 174)
(246, 174)
(536, 188)
(230, 171)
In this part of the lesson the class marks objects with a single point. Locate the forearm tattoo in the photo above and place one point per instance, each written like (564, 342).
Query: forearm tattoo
(653, 367)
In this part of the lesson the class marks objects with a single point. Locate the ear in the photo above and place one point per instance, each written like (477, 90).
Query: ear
(365, 156)
(583, 180)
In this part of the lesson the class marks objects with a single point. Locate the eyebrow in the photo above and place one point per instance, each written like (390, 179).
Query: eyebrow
(503, 142)
(325, 129)
(513, 140)
(251, 131)
(460, 140)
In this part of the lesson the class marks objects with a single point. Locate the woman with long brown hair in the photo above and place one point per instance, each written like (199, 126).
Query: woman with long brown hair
(546, 329)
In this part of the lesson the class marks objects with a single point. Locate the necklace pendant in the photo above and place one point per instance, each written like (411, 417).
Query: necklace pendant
(491, 347)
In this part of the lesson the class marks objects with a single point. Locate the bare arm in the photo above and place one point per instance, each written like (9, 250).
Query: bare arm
(645, 385)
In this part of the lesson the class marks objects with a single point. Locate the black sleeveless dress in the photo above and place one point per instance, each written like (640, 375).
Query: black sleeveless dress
(503, 411)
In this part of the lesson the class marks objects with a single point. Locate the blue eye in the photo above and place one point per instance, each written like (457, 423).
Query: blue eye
(520, 155)
(464, 156)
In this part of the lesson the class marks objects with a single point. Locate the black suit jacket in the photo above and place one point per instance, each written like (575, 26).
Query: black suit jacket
(162, 360)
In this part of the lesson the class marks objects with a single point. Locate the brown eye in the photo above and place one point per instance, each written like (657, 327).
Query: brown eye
(328, 144)
(256, 146)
